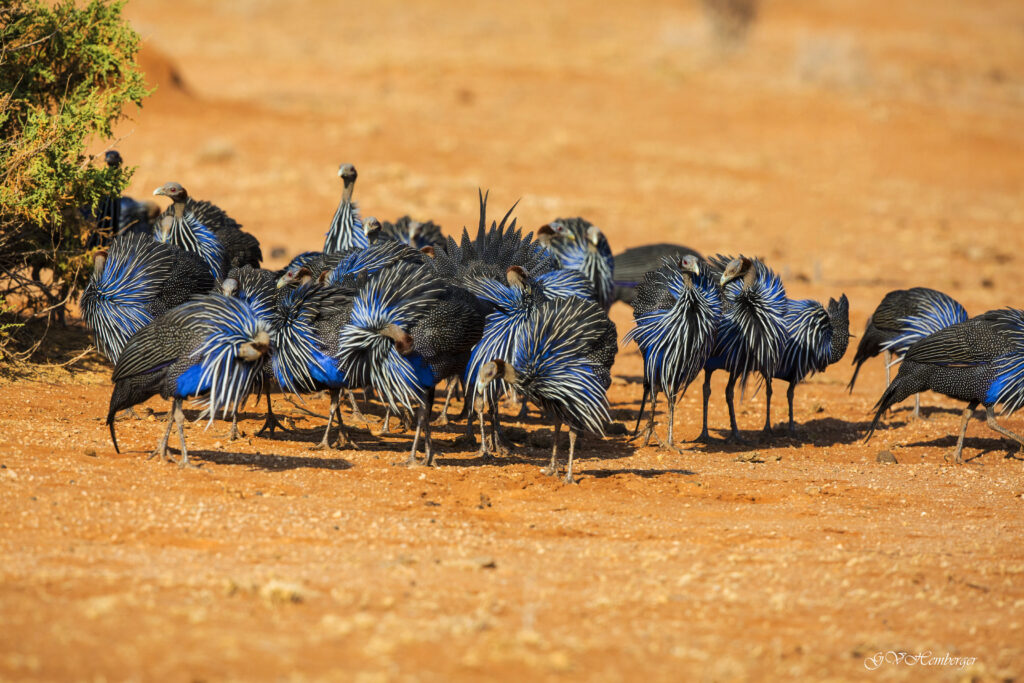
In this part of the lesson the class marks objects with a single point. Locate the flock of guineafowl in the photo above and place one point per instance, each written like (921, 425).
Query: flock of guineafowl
(178, 302)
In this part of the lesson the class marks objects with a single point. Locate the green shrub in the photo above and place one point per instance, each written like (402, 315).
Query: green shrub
(67, 72)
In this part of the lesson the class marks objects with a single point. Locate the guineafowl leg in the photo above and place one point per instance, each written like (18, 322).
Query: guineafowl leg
(991, 419)
(767, 406)
(233, 436)
(325, 442)
(917, 408)
(704, 436)
(523, 408)
(501, 446)
(640, 415)
(968, 411)
(442, 420)
(179, 419)
(411, 460)
(649, 429)
(428, 440)
(357, 414)
(552, 469)
(485, 448)
(271, 422)
(572, 452)
(670, 444)
(730, 389)
(343, 440)
(888, 377)
(789, 397)
(161, 447)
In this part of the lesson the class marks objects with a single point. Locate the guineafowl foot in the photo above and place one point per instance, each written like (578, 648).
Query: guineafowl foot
(646, 435)
(441, 421)
(186, 463)
(569, 479)
(271, 424)
(411, 461)
(955, 456)
(549, 471)
(703, 438)
(236, 433)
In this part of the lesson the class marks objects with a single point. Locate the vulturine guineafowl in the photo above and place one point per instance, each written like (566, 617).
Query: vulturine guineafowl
(632, 264)
(211, 347)
(133, 283)
(508, 275)
(903, 317)
(306, 330)
(677, 309)
(204, 228)
(408, 331)
(815, 339)
(980, 361)
(107, 215)
(346, 229)
(562, 364)
(752, 332)
(580, 245)
(408, 231)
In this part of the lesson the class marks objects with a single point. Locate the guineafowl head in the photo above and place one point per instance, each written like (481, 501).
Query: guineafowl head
(256, 348)
(229, 287)
(347, 173)
(689, 264)
(113, 158)
(737, 268)
(296, 275)
(372, 228)
(517, 277)
(496, 369)
(99, 259)
(173, 191)
(593, 237)
(403, 340)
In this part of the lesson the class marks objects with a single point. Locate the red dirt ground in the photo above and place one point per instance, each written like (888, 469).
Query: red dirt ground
(857, 146)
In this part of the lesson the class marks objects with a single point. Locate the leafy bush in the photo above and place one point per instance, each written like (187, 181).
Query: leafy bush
(67, 72)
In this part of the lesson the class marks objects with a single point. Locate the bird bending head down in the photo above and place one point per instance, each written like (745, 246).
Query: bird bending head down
(516, 277)
(99, 260)
(254, 349)
(496, 369)
(402, 339)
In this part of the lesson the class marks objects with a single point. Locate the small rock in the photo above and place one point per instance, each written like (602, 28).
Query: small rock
(91, 452)
(813, 490)
(751, 456)
(276, 591)
(886, 457)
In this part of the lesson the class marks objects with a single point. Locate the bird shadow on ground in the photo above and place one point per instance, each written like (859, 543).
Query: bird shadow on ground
(826, 431)
(270, 462)
(982, 445)
(645, 474)
(588, 448)
(926, 411)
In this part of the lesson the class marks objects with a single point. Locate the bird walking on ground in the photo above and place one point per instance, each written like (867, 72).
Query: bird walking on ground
(677, 310)
(979, 361)
(346, 229)
(752, 332)
(815, 339)
(212, 347)
(635, 262)
(903, 317)
(580, 245)
(563, 365)
(204, 228)
(133, 283)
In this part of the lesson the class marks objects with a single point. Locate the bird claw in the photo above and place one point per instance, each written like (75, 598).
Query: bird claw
(549, 471)
(955, 456)
(441, 421)
(271, 424)
(569, 479)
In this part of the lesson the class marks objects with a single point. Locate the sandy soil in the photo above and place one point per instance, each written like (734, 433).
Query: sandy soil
(858, 146)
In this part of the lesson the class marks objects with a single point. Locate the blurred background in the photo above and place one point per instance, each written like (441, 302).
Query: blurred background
(857, 145)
